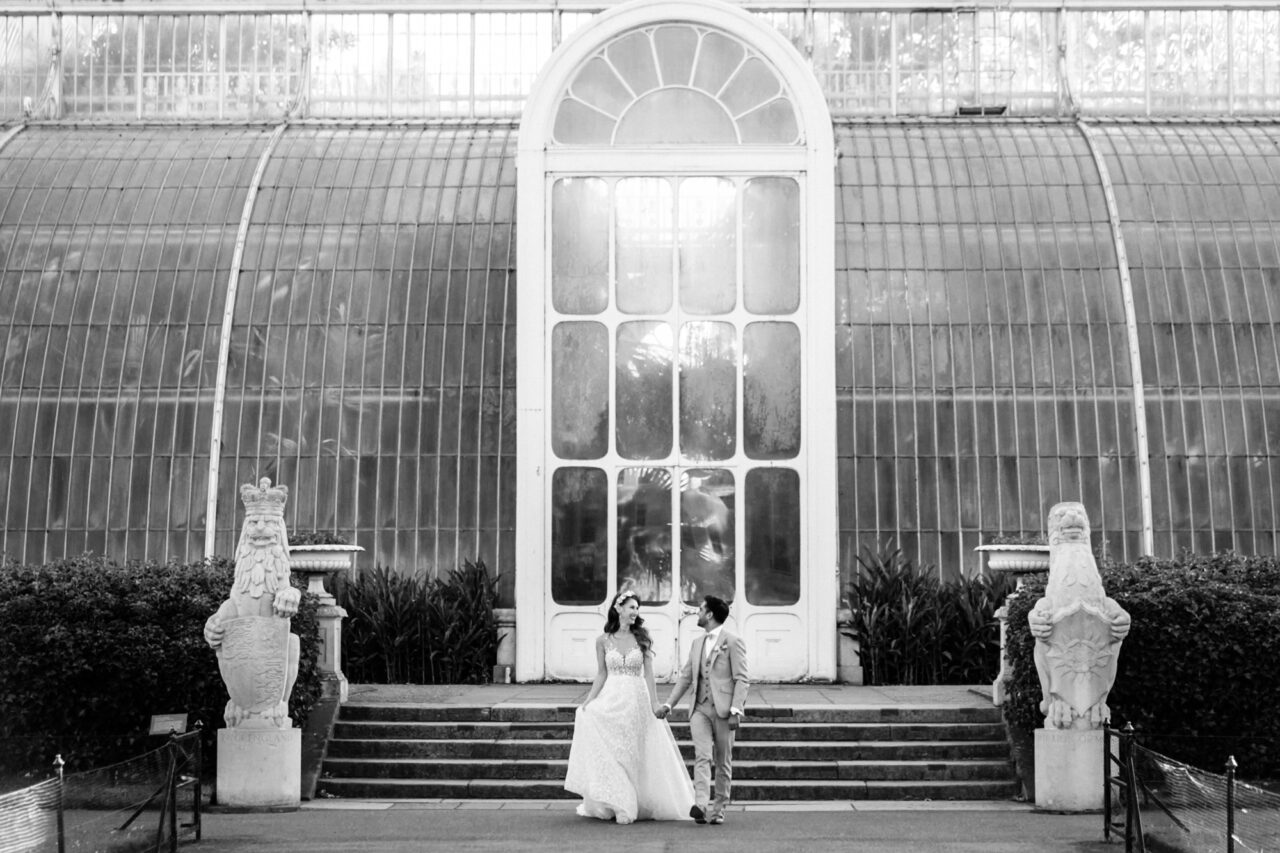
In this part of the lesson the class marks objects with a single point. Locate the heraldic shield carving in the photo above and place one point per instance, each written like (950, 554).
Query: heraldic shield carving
(254, 663)
(1082, 656)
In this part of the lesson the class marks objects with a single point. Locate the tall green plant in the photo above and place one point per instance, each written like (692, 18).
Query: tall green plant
(913, 628)
(416, 629)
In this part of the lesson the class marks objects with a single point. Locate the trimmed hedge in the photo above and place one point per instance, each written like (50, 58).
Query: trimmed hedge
(1197, 673)
(91, 648)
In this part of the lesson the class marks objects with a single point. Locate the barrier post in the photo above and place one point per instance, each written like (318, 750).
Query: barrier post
(62, 796)
(1231, 803)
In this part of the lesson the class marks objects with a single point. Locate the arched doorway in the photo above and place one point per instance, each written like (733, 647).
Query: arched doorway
(675, 357)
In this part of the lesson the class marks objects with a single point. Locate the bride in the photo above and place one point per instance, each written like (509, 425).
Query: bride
(624, 761)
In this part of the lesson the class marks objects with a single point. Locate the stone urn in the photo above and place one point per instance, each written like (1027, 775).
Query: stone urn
(1018, 560)
(319, 561)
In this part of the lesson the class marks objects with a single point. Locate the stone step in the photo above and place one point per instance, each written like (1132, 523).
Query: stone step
(564, 714)
(743, 770)
(751, 730)
(748, 791)
(550, 750)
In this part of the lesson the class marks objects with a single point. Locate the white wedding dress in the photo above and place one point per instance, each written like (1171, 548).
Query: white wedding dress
(624, 761)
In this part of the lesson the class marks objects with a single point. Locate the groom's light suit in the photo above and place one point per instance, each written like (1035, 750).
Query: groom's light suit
(719, 681)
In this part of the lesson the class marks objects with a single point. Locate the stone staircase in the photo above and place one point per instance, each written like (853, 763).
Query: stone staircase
(385, 751)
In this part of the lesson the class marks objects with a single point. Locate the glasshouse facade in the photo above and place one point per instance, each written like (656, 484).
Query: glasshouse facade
(559, 286)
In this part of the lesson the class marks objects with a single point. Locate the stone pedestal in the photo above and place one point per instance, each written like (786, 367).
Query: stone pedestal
(1069, 768)
(260, 768)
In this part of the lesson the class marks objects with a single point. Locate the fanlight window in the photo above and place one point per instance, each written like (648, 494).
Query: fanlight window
(676, 84)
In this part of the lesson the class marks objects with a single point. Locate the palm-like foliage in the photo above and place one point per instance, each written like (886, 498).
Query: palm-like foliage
(913, 628)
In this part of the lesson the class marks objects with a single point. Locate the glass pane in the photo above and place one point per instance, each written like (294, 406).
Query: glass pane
(772, 536)
(708, 391)
(580, 245)
(675, 47)
(644, 533)
(775, 122)
(644, 385)
(579, 536)
(771, 390)
(676, 116)
(718, 58)
(771, 245)
(579, 390)
(598, 85)
(645, 243)
(753, 85)
(579, 124)
(708, 245)
(707, 534)
(632, 55)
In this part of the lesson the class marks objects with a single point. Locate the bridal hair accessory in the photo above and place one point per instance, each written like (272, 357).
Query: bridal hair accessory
(623, 596)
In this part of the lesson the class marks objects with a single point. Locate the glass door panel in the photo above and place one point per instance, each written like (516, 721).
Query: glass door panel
(707, 540)
(645, 234)
(580, 390)
(772, 523)
(643, 387)
(579, 536)
(708, 391)
(708, 232)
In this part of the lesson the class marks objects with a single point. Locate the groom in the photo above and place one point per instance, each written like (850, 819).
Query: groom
(717, 669)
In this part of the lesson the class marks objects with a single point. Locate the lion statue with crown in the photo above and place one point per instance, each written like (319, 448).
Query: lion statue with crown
(257, 653)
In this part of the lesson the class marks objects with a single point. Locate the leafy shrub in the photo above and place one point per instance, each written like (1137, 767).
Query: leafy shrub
(913, 628)
(318, 537)
(1014, 539)
(416, 629)
(92, 648)
(1197, 672)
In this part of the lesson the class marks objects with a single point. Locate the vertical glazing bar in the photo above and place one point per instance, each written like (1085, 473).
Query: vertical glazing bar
(140, 46)
(391, 64)
(893, 63)
(1231, 62)
(1146, 62)
(224, 343)
(222, 66)
(1131, 333)
(56, 67)
(555, 24)
(302, 106)
(471, 75)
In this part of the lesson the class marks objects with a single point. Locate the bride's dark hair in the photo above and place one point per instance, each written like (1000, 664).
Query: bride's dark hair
(613, 622)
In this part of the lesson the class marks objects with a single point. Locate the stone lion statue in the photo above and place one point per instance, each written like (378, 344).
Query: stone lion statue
(257, 654)
(1078, 630)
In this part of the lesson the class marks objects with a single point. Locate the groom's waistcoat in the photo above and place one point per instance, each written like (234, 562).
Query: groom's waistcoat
(704, 680)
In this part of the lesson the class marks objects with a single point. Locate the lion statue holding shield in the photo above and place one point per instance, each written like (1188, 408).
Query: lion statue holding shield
(257, 654)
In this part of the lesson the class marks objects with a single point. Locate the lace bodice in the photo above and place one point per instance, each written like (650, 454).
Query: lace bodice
(620, 663)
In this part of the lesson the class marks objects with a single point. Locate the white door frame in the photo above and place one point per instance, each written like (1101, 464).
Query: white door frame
(819, 520)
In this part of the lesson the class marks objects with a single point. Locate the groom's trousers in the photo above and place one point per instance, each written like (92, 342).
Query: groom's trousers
(712, 742)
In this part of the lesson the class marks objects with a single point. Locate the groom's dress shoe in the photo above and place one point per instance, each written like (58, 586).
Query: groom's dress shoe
(698, 815)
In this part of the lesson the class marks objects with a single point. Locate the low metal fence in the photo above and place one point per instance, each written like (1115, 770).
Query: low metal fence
(150, 802)
(1152, 801)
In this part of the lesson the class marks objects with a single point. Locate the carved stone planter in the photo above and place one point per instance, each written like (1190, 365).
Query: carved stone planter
(1019, 561)
(317, 562)
(1016, 559)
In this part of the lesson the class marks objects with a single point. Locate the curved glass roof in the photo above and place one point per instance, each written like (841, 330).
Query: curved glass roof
(983, 349)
